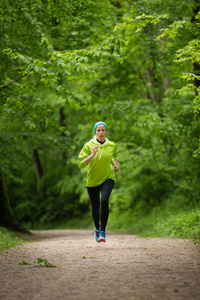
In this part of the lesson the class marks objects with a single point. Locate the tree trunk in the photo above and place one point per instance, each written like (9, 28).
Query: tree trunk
(38, 170)
(63, 134)
(196, 65)
(62, 120)
(7, 218)
(155, 80)
(37, 164)
(196, 68)
(151, 80)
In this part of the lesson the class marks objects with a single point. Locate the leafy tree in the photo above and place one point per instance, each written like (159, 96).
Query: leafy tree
(158, 134)
(134, 65)
(37, 55)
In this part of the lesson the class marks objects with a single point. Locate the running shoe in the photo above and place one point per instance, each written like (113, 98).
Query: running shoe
(97, 234)
(102, 237)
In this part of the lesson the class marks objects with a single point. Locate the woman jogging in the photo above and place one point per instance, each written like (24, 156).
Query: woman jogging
(100, 155)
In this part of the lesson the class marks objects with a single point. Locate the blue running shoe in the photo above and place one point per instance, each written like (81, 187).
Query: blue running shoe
(97, 233)
(102, 237)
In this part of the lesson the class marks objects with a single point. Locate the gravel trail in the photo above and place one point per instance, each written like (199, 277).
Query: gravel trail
(125, 267)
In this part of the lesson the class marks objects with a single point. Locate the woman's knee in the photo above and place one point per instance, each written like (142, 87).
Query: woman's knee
(104, 201)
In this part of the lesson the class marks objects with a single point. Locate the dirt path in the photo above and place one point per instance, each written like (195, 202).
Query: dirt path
(125, 267)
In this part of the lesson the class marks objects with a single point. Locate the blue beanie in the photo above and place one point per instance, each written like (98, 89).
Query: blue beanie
(99, 123)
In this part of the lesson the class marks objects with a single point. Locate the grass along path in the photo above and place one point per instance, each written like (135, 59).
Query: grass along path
(125, 267)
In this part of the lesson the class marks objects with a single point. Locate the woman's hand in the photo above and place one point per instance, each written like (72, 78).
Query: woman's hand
(95, 150)
(116, 169)
(90, 157)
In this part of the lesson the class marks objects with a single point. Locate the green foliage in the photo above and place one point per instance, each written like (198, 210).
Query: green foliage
(134, 65)
(10, 239)
(38, 70)
(41, 262)
(163, 222)
(24, 263)
(184, 225)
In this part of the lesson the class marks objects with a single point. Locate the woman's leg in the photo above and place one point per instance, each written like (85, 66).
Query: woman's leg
(93, 193)
(106, 190)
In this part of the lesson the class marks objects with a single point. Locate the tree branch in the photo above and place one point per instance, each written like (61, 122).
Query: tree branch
(4, 86)
(149, 94)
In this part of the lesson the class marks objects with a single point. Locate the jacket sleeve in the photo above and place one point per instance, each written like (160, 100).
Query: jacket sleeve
(115, 152)
(85, 152)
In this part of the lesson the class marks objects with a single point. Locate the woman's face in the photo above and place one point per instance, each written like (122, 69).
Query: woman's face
(101, 133)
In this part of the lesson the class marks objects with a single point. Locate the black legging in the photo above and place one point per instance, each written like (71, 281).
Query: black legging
(94, 192)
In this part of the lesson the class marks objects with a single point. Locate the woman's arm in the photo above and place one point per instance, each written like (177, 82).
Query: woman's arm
(116, 168)
(90, 157)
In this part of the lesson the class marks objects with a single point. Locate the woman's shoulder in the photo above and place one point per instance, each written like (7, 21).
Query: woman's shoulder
(89, 143)
(86, 145)
(111, 143)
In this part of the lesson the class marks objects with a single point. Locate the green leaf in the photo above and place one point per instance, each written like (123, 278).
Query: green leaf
(24, 263)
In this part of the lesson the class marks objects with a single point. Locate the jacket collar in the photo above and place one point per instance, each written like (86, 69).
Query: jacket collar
(97, 143)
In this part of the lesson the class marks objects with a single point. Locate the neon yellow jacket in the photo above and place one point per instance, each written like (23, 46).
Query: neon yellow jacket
(101, 167)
